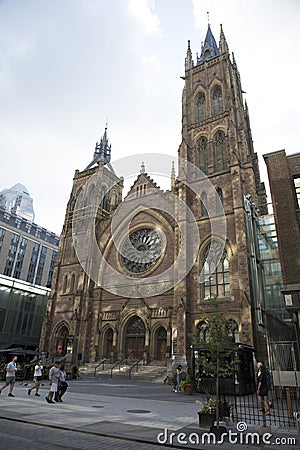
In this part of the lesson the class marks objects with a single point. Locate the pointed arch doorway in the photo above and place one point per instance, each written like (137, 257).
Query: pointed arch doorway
(61, 340)
(161, 344)
(135, 338)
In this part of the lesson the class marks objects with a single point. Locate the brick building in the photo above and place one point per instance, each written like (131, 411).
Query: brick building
(126, 301)
(284, 178)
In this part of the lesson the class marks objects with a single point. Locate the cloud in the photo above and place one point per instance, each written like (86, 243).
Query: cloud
(143, 12)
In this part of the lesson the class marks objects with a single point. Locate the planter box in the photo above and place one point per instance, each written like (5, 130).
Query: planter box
(206, 420)
(188, 390)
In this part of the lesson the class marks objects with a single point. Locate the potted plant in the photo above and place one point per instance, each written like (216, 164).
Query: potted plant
(187, 386)
(207, 415)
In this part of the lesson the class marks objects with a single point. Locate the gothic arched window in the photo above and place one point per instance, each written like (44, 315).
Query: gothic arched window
(233, 330)
(203, 154)
(65, 284)
(216, 101)
(219, 151)
(219, 201)
(204, 212)
(103, 199)
(215, 271)
(202, 331)
(72, 285)
(200, 107)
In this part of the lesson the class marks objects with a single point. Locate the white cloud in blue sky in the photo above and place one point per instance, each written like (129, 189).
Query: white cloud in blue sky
(68, 66)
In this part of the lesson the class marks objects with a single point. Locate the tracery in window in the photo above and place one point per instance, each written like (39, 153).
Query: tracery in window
(215, 271)
(219, 151)
(233, 330)
(200, 107)
(216, 101)
(202, 155)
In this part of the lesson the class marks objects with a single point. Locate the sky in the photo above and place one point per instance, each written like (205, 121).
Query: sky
(69, 66)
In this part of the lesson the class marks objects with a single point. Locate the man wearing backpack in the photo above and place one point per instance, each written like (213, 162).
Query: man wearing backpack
(262, 388)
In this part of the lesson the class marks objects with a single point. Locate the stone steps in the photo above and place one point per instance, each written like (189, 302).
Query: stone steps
(154, 372)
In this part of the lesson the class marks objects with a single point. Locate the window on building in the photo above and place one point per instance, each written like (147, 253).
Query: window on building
(20, 258)
(200, 107)
(233, 330)
(51, 268)
(297, 190)
(219, 151)
(217, 101)
(202, 331)
(204, 212)
(72, 285)
(219, 201)
(11, 256)
(41, 264)
(215, 271)
(2, 234)
(33, 262)
(141, 190)
(202, 155)
(65, 285)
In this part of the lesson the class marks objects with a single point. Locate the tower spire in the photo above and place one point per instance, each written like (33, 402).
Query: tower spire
(223, 46)
(209, 48)
(189, 63)
(102, 153)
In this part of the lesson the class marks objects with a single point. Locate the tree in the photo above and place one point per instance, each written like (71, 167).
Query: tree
(218, 345)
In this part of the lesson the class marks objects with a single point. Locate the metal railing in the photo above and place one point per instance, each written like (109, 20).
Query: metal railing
(118, 363)
(102, 362)
(136, 366)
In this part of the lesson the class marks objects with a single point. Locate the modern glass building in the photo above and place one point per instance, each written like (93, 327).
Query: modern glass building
(22, 311)
(27, 257)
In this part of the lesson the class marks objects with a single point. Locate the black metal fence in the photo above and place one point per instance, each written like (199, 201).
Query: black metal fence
(285, 402)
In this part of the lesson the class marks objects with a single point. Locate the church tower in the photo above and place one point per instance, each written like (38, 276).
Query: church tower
(216, 138)
(71, 318)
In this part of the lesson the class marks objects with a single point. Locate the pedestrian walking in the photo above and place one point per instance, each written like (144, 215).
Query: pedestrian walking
(37, 378)
(11, 370)
(54, 375)
(62, 385)
(262, 388)
(178, 378)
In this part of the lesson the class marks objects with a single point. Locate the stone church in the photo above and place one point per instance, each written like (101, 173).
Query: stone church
(134, 267)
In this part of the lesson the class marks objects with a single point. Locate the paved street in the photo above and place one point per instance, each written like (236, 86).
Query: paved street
(102, 414)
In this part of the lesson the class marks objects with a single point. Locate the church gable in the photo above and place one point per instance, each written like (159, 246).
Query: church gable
(142, 185)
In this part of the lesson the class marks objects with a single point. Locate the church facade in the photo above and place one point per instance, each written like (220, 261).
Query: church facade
(132, 270)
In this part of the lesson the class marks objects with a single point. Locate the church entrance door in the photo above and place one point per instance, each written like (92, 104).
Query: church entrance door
(135, 338)
(108, 343)
(161, 344)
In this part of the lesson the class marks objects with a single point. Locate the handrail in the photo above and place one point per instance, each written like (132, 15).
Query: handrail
(134, 365)
(118, 363)
(101, 362)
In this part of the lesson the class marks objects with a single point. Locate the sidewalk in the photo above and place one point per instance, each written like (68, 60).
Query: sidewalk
(134, 411)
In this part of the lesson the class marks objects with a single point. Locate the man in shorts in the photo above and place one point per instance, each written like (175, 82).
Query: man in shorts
(11, 370)
(37, 377)
(54, 375)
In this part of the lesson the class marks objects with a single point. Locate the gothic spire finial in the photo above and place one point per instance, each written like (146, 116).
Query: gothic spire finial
(223, 46)
(189, 63)
(143, 169)
(102, 153)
